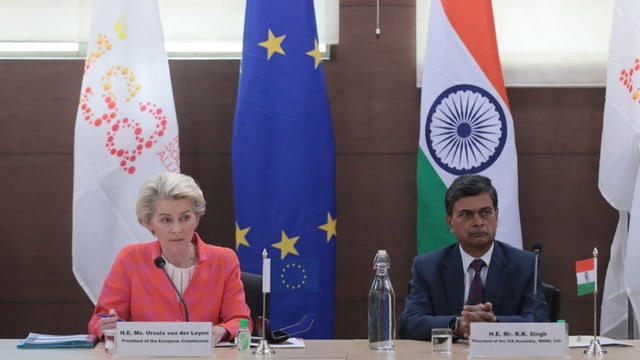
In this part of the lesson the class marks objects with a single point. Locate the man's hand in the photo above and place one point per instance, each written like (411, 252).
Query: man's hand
(474, 313)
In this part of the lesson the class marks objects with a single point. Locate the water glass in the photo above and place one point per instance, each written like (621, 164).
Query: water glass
(441, 340)
(109, 341)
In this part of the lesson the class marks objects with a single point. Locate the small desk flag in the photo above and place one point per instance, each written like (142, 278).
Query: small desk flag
(587, 276)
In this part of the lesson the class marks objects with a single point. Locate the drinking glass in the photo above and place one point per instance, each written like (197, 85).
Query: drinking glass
(441, 340)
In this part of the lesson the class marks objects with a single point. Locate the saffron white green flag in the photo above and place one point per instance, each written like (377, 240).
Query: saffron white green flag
(465, 121)
(619, 165)
(125, 131)
(586, 276)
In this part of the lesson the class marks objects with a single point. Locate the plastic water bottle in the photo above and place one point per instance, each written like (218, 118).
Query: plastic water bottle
(243, 337)
(566, 330)
(382, 306)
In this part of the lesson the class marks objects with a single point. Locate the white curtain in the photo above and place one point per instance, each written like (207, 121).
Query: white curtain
(543, 42)
(183, 21)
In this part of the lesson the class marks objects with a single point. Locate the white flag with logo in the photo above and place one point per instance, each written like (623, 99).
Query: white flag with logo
(619, 177)
(465, 121)
(126, 131)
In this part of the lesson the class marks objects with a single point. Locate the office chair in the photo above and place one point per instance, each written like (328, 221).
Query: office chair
(253, 296)
(553, 297)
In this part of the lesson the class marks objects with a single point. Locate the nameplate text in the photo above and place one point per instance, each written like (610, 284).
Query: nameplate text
(164, 339)
(518, 340)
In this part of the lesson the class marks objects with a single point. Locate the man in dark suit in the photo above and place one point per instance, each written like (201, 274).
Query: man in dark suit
(442, 291)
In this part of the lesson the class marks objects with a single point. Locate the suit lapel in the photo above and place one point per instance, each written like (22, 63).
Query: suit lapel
(495, 277)
(454, 289)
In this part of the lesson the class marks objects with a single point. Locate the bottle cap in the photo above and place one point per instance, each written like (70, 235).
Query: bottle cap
(381, 259)
(244, 323)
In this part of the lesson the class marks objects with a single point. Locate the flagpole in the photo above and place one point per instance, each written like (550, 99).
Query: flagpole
(595, 293)
(594, 347)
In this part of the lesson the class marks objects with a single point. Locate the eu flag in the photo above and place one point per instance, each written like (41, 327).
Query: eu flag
(283, 158)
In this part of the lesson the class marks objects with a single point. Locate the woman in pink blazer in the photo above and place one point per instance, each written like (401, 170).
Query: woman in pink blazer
(208, 277)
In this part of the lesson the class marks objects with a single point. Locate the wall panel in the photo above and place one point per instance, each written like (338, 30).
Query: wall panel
(375, 107)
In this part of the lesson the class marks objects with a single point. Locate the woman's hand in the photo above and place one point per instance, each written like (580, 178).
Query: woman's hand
(110, 321)
(219, 334)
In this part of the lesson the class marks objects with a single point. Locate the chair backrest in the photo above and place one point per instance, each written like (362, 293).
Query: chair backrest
(553, 297)
(253, 296)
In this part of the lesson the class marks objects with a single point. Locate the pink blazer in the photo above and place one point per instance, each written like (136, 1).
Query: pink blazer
(139, 291)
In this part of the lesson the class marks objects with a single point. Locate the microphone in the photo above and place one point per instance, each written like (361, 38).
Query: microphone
(537, 247)
(160, 263)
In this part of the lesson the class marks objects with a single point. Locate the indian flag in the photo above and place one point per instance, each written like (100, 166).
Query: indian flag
(587, 276)
(465, 121)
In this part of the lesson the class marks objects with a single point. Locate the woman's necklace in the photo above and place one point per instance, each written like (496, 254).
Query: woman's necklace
(192, 259)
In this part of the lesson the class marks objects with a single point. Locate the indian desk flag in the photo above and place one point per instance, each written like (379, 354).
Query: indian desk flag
(283, 158)
(587, 276)
(465, 121)
(619, 172)
(125, 131)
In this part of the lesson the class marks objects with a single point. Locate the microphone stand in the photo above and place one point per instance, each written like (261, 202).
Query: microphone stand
(263, 349)
(536, 252)
(161, 263)
(535, 272)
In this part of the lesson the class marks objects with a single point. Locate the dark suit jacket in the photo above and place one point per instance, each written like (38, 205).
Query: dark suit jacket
(436, 290)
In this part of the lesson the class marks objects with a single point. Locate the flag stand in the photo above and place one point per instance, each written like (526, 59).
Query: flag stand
(263, 349)
(594, 347)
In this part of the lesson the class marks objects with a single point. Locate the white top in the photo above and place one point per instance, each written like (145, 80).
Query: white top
(180, 276)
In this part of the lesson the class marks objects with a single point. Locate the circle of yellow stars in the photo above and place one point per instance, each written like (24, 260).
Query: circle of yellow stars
(300, 269)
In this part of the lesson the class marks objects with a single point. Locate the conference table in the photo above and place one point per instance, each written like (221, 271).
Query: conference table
(314, 350)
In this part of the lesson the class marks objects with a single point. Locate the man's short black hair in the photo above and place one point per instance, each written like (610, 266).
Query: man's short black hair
(469, 185)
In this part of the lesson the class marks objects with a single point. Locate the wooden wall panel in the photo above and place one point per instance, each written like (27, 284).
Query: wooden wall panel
(569, 120)
(376, 210)
(37, 106)
(558, 140)
(371, 83)
(205, 93)
(375, 107)
(39, 290)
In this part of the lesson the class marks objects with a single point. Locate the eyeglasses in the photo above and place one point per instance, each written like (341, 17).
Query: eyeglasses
(280, 335)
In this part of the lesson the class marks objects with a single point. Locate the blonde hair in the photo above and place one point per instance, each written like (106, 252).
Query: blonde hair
(168, 186)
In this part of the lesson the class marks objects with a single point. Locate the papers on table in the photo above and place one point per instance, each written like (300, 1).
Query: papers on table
(291, 343)
(585, 340)
(44, 341)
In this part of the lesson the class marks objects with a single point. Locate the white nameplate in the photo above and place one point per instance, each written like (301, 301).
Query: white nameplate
(164, 339)
(518, 340)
